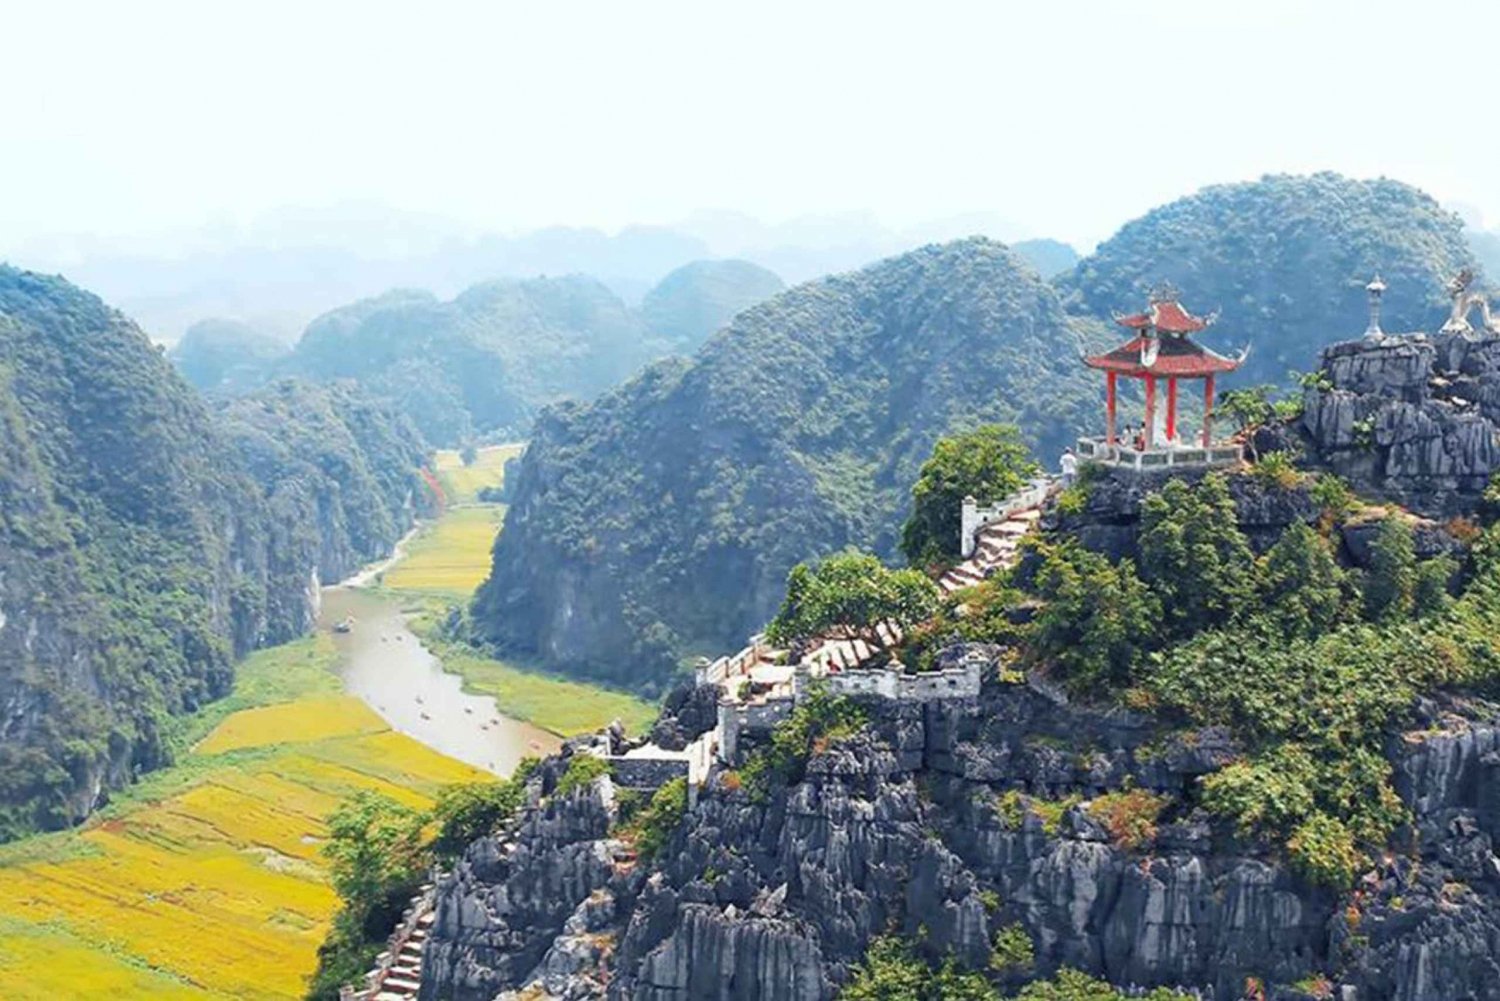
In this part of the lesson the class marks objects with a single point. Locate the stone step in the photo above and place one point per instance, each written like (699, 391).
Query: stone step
(400, 983)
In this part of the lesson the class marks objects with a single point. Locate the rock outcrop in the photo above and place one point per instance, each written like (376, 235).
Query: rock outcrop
(906, 827)
(1410, 418)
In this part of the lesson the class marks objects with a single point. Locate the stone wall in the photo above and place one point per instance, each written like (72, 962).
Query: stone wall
(646, 773)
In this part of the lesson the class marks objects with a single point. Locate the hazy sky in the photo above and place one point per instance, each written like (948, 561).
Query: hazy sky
(126, 120)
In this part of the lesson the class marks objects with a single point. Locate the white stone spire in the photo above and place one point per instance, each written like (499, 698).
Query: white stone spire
(1376, 288)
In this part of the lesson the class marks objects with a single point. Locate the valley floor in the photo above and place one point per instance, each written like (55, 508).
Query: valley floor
(205, 880)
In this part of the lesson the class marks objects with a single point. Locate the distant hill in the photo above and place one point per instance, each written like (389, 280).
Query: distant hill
(482, 364)
(219, 355)
(1286, 259)
(697, 299)
(664, 517)
(146, 540)
(1050, 257)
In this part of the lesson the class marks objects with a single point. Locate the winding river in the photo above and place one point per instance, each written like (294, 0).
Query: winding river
(383, 663)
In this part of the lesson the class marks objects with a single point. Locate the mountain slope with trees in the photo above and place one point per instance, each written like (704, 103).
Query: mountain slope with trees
(482, 364)
(1286, 259)
(225, 356)
(663, 518)
(698, 298)
(138, 554)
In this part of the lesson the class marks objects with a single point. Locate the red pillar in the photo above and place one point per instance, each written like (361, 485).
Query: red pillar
(1208, 410)
(1109, 408)
(1172, 408)
(1150, 409)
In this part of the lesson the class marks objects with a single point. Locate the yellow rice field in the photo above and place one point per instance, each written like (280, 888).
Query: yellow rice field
(462, 483)
(451, 556)
(205, 881)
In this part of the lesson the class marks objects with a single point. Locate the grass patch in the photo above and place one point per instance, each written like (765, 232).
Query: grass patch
(555, 704)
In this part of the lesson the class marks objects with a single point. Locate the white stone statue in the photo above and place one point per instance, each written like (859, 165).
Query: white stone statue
(1465, 300)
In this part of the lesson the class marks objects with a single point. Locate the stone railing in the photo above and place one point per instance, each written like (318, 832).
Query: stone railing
(717, 672)
(973, 516)
(1119, 456)
(960, 682)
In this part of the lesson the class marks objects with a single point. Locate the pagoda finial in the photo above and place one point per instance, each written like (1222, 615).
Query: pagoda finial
(1164, 291)
(1376, 289)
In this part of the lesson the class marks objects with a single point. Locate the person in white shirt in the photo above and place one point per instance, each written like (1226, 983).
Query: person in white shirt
(1069, 466)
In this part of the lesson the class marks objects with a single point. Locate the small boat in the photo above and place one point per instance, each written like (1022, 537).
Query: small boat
(344, 625)
(419, 699)
(469, 709)
(424, 716)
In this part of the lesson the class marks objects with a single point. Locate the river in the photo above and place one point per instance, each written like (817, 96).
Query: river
(382, 661)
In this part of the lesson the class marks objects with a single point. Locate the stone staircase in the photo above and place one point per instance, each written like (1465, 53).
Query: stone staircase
(999, 544)
(397, 975)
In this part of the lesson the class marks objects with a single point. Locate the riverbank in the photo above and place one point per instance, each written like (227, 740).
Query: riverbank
(441, 565)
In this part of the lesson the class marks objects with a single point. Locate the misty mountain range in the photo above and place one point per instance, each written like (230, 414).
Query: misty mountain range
(279, 275)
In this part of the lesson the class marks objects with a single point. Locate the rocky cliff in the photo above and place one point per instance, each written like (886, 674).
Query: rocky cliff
(1411, 418)
(913, 825)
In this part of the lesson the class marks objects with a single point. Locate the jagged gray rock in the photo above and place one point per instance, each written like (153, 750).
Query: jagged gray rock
(1410, 418)
(899, 828)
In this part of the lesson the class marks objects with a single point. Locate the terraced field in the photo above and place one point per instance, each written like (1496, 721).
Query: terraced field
(205, 880)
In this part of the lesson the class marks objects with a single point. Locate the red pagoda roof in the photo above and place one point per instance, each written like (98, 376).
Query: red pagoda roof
(1162, 346)
(1175, 356)
(1166, 316)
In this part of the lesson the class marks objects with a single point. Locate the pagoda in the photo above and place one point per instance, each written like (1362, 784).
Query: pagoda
(1162, 352)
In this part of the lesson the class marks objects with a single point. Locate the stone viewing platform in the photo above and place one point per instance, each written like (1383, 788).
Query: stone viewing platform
(1152, 458)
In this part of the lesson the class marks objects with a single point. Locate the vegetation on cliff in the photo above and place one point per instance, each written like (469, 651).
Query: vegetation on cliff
(1286, 258)
(988, 463)
(1309, 666)
(663, 518)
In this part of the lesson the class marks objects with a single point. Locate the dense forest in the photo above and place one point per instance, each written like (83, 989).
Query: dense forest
(1286, 260)
(139, 555)
(664, 517)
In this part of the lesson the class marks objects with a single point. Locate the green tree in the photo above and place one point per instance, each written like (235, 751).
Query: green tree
(376, 861)
(1429, 595)
(469, 811)
(1301, 585)
(1098, 620)
(374, 851)
(849, 596)
(1071, 985)
(988, 463)
(1391, 582)
(1194, 555)
(893, 972)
